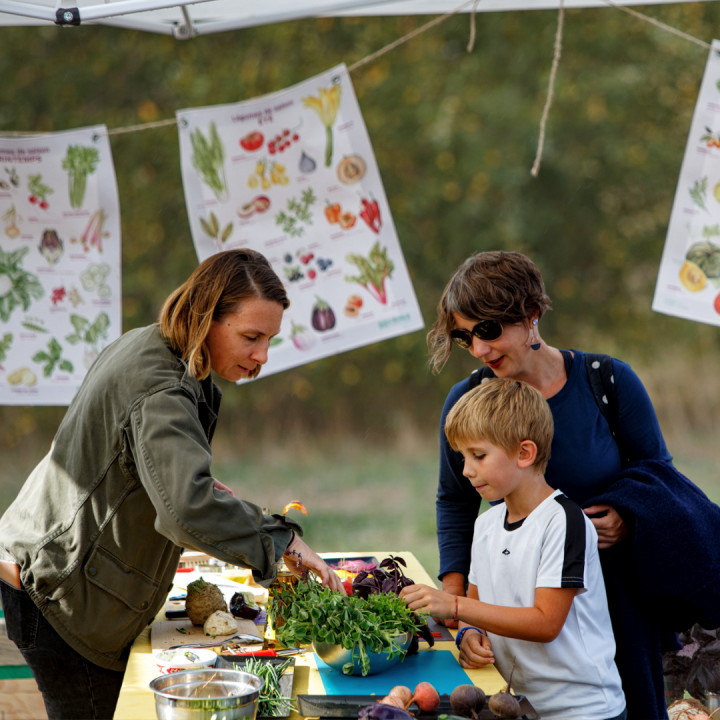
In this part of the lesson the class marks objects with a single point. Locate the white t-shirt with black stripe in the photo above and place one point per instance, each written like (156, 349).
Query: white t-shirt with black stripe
(556, 547)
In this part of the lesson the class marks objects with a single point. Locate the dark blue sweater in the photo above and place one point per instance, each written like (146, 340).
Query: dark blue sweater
(584, 457)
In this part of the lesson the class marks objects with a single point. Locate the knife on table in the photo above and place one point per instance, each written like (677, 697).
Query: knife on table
(248, 639)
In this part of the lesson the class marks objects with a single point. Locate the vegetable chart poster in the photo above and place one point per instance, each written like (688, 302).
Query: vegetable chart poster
(59, 263)
(688, 284)
(293, 176)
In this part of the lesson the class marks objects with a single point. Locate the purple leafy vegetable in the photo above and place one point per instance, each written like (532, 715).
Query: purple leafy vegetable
(389, 578)
(383, 712)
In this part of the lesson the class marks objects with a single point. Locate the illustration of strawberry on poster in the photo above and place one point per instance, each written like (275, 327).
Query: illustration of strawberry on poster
(688, 284)
(293, 176)
(60, 301)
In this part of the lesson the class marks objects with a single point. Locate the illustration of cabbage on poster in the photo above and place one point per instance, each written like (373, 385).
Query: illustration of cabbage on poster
(688, 284)
(60, 302)
(293, 176)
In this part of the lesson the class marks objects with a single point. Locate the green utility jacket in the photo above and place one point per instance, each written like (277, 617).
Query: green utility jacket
(98, 527)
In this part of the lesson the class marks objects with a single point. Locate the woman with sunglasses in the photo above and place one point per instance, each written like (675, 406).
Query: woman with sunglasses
(492, 307)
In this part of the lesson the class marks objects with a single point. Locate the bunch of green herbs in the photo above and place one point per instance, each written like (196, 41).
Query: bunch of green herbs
(271, 702)
(311, 613)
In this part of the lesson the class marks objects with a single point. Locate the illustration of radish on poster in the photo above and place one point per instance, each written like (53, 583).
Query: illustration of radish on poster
(293, 176)
(60, 302)
(688, 284)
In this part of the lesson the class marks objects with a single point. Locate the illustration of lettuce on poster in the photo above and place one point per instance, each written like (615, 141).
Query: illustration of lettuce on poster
(293, 176)
(688, 284)
(60, 301)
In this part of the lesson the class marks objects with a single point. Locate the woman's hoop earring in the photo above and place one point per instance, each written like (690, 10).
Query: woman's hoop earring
(535, 344)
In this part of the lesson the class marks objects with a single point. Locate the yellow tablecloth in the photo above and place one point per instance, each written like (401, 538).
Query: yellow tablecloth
(137, 702)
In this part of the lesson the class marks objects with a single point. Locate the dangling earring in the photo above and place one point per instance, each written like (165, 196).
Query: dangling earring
(535, 344)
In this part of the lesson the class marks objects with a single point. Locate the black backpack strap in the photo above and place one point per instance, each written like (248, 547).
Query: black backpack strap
(602, 382)
(478, 376)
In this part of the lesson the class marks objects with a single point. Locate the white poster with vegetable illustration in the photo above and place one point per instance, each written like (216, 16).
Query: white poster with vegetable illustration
(293, 176)
(60, 298)
(688, 284)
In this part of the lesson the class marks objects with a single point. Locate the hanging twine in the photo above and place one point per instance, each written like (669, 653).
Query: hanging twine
(660, 24)
(471, 43)
(400, 41)
(410, 36)
(551, 89)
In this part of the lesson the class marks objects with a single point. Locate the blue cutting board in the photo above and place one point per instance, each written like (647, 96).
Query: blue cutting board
(439, 667)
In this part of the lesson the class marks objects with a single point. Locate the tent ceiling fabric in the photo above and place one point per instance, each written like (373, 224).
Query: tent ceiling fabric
(211, 16)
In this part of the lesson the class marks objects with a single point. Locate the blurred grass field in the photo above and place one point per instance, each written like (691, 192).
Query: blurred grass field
(359, 496)
(366, 499)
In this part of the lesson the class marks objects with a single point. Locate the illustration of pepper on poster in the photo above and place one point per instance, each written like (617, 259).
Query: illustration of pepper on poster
(688, 284)
(60, 301)
(293, 176)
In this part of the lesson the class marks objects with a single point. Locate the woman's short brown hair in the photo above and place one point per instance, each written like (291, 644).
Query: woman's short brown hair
(503, 412)
(213, 291)
(496, 285)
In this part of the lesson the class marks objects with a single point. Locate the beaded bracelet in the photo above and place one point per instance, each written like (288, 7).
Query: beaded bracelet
(455, 616)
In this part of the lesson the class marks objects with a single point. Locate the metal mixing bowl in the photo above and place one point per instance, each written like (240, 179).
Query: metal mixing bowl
(336, 656)
(204, 694)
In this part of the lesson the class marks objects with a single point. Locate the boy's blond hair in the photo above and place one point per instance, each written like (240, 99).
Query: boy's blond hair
(503, 412)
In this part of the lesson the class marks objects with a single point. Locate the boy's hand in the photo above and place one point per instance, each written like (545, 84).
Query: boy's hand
(429, 600)
(475, 650)
(454, 584)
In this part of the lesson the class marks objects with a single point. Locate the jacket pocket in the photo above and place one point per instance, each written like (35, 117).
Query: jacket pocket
(108, 572)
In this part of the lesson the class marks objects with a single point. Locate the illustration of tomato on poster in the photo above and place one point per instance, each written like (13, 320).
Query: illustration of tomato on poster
(60, 301)
(688, 284)
(293, 176)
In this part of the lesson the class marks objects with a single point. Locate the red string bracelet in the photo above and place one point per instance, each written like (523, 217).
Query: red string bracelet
(455, 617)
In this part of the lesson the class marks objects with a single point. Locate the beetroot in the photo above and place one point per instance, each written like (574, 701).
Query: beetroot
(504, 705)
(393, 701)
(426, 697)
(402, 693)
(468, 701)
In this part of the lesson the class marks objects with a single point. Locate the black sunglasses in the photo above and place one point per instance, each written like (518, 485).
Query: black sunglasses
(487, 330)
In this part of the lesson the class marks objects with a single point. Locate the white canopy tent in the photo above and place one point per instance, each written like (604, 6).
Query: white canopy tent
(170, 17)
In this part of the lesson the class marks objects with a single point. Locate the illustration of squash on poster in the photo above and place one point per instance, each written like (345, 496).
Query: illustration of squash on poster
(688, 284)
(60, 301)
(293, 176)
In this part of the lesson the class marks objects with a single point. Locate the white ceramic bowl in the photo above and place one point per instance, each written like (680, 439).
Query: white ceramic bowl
(181, 659)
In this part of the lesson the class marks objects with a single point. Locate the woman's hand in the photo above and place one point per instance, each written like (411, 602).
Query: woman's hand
(611, 528)
(298, 557)
(429, 600)
(220, 486)
(475, 650)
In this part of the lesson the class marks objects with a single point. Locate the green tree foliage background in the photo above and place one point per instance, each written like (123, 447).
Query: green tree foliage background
(455, 136)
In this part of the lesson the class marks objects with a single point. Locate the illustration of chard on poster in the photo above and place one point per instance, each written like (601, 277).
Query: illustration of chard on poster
(60, 301)
(293, 176)
(688, 284)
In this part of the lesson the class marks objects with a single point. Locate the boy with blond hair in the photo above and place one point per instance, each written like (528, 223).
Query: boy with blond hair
(536, 598)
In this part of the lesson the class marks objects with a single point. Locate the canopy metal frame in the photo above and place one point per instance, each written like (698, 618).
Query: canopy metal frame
(202, 17)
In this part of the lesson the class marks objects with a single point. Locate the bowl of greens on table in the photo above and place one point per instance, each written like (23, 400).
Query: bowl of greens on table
(364, 633)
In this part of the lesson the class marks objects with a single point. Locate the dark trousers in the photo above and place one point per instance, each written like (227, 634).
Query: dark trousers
(73, 688)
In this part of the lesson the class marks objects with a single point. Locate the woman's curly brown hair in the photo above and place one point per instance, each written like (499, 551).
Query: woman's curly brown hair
(496, 285)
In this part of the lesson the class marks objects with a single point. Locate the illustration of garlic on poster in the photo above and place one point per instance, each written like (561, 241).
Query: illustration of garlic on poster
(60, 301)
(688, 284)
(293, 176)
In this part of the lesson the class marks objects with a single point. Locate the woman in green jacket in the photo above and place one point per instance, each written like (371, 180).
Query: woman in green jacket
(90, 547)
